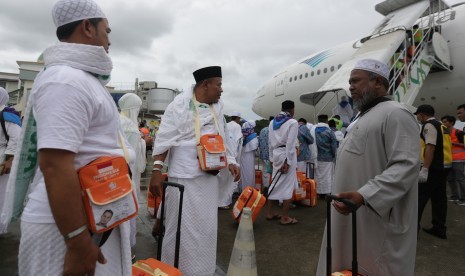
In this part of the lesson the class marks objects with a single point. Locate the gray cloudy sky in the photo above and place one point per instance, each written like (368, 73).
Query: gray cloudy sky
(166, 40)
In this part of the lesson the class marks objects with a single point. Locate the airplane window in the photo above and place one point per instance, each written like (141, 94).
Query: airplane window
(290, 79)
(325, 70)
(339, 66)
(300, 77)
(306, 75)
(313, 73)
(318, 72)
(332, 68)
(295, 77)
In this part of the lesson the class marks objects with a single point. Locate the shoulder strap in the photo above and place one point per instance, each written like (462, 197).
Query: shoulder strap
(2, 121)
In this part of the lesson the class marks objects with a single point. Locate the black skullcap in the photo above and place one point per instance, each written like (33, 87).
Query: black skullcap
(322, 117)
(286, 105)
(425, 109)
(206, 73)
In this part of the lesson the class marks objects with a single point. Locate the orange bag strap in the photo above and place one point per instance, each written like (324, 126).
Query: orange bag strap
(197, 121)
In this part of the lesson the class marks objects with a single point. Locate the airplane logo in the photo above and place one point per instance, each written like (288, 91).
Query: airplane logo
(318, 58)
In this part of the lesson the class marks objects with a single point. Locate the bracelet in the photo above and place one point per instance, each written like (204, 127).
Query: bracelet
(75, 233)
(159, 162)
(156, 169)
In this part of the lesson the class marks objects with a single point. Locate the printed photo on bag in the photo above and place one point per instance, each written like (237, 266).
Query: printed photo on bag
(104, 219)
(107, 215)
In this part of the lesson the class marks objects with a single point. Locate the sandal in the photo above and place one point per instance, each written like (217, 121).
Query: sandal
(290, 222)
(275, 216)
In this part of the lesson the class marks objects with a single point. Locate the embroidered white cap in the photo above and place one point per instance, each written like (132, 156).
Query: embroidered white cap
(67, 11)
(235, 114)
(373, 65)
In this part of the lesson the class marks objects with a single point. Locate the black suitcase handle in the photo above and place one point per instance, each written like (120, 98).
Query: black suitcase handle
(353, 207)
(178, 231)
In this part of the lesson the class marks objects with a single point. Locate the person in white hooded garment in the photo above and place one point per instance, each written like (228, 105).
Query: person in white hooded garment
(344, 110)
(235, 135)
(77, 122)
(129, 105)
(249, 147)
(8, 144)
(283, 131)
(377, 169)
(177, 138)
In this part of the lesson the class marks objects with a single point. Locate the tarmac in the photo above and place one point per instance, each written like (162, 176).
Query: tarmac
(286, 250)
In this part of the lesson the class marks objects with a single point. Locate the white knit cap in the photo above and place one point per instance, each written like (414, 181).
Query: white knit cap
(67, 11)
(373, 65)
(235, 114)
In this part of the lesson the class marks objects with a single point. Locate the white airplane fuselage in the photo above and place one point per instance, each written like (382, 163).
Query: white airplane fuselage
(443, 90)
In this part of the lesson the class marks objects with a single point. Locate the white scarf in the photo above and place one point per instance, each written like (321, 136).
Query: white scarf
(89, 58)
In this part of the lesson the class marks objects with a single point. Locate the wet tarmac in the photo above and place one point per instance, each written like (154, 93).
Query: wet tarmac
(288, 250)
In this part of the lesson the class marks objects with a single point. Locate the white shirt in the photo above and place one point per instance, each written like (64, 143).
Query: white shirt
(73, 112)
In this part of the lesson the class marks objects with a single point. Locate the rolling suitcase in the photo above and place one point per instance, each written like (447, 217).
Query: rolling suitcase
(310, 185)
(155, 266)
(300, 193)
(251, 198)
(354, 270)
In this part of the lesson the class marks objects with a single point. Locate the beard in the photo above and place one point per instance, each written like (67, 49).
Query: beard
(365, 99)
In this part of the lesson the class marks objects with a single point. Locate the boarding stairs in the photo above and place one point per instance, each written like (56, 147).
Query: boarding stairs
(392, 39)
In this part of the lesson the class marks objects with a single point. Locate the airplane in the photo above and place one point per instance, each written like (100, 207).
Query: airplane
(435, 74)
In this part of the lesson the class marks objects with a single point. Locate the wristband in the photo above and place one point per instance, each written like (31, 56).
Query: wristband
(159, 162)
(156, 169)
(75, 233)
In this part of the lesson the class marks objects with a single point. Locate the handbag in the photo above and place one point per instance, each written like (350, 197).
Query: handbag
(211, 151)
(107, 192)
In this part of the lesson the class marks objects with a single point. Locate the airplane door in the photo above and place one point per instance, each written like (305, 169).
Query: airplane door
(279, 84)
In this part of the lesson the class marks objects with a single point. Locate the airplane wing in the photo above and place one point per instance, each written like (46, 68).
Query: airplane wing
(381, 45)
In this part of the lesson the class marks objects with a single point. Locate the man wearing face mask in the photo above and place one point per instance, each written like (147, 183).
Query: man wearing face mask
(375, 169)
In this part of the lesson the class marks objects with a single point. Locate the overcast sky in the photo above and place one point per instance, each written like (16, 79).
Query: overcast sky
(166, 40)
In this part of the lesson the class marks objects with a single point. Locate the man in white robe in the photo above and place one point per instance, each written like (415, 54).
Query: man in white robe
(77, 122)
(129, 105)
(326, 142)
(250, 145)
(176, 137)
(283, 131)
(377, 169)
(235, 135)
(8, 144)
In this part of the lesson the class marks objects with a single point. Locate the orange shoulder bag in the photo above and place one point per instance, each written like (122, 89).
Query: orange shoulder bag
(210, 147)
(107, 191)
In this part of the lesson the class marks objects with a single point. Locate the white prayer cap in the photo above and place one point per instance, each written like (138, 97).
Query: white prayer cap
(373, 65)
(235, 114)
(252, 123)
(67, 11)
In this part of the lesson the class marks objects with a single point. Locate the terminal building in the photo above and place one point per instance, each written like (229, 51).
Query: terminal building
(154, 99)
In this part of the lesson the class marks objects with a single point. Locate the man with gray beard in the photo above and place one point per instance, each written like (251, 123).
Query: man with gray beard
(377, 169)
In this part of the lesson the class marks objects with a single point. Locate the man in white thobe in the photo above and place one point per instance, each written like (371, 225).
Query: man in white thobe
(283, 132)
(177, 136)
(8, 144)
(377, 169)
(249, 146)
(235, 137)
